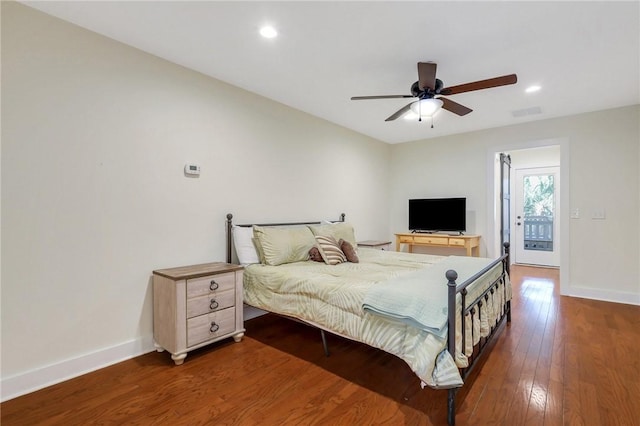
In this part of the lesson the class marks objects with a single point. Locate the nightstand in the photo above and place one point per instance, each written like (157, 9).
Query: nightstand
(196, 305)
(375, 244)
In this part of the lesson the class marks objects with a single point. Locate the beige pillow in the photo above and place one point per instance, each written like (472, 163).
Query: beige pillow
(284, 245)
(330, 250)
(338, 230)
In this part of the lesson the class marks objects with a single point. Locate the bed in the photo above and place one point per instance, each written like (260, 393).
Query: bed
(409, 305)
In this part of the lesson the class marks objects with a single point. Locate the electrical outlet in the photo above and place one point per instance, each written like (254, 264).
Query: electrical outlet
(599, 214)
(575, 214)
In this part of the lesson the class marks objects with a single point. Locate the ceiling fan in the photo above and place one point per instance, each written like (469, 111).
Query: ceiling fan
(429, 90)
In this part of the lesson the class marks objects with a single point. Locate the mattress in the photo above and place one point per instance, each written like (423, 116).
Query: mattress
(332, 298)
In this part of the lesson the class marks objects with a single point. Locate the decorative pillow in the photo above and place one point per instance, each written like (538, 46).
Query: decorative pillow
(243, 242)
(337, 230)
(314, 254)
(330, 250)
(284, 245)
(348, 251)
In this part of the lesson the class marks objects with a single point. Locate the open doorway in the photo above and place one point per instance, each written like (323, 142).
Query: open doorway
(530, 154)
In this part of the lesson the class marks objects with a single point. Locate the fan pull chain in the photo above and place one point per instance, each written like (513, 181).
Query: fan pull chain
(420, 114)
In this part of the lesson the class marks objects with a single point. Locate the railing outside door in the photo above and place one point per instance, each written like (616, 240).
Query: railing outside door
(538, 233)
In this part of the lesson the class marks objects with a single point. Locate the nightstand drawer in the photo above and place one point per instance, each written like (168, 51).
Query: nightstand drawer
(210, 302)
(209, 326)
(210, 284)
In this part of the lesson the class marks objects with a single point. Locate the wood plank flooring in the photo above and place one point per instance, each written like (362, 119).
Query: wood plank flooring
(562, 361)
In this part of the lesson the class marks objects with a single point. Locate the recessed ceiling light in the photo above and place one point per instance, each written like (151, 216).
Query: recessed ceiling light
(532, 89)
(268, 32)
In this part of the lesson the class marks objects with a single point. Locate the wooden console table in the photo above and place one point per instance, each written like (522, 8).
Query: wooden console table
(469, 242)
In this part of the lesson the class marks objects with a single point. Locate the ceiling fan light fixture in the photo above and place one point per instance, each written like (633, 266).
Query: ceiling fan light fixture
(428, 86)
(426, 107)
(268, 32)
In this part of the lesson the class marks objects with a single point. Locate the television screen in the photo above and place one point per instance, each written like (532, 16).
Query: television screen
(438, 214)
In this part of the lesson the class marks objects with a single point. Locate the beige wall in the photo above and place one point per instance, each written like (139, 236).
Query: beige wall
(95, 136)
(600, 156)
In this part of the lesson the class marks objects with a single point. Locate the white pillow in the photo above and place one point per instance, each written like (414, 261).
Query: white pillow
(243, 243)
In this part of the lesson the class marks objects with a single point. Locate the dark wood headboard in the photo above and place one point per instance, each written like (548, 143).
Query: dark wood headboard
(230, 226)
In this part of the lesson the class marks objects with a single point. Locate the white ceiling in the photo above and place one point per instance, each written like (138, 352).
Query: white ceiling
(585, 55)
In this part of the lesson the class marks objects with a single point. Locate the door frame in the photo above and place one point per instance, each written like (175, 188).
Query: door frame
(493, 194)
(505, 200)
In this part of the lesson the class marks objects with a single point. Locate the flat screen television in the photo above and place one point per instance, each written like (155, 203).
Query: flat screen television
(438, 214)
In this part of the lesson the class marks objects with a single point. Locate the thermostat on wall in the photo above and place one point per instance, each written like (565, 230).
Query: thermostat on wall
(192, 170)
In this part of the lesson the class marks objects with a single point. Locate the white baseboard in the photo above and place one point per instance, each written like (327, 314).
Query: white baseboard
(31, 381)
(605, 295)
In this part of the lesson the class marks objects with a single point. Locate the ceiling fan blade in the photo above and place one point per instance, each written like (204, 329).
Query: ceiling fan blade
(427, 75)
(481, 84)
(454, 107)
(361, 98)
(400, 112)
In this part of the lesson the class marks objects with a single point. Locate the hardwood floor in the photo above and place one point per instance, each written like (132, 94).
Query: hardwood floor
(562, 361)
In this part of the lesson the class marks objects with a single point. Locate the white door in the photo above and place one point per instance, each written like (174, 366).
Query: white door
(537, 209)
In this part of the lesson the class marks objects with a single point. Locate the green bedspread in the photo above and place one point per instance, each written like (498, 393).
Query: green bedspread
(332, 298)
(420, 298)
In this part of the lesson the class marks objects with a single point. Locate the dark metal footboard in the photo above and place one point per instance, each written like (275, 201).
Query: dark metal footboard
(471, 308)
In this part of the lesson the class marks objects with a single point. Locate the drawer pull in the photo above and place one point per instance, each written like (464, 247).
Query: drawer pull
(214, 327)
(213, 305)
(213, 285)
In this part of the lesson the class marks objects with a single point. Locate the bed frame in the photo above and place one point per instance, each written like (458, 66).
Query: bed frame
(453, 290)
